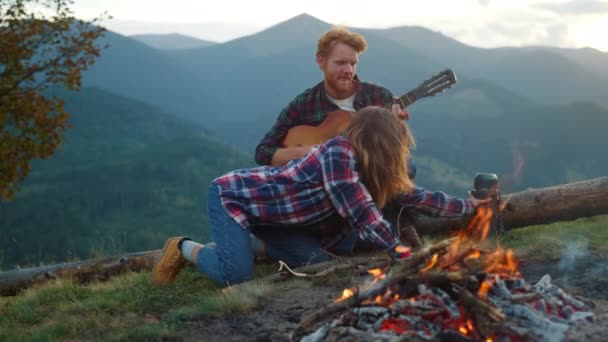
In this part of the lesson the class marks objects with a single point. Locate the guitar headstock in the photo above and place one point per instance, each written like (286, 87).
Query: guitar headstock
(436, 84)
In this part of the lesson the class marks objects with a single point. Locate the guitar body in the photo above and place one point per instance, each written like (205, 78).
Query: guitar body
(335, 123)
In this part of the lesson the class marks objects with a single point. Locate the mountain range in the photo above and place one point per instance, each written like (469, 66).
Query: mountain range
(171, 41)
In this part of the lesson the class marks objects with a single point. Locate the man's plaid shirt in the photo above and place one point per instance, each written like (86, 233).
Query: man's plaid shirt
(311, 108)
(313, 189)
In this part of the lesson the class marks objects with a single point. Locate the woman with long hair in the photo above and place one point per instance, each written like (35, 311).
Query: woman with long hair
(299, 210)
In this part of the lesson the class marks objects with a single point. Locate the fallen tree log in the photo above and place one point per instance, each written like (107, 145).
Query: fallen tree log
(529, 207)
(536, 206)
(11, 282)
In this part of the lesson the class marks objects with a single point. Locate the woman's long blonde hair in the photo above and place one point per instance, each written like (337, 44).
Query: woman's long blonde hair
(382, 145)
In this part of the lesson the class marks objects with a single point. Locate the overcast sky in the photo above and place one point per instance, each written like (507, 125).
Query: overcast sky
(483, 23)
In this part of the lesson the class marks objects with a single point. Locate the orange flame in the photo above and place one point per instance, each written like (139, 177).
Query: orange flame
(432, 263)
(511, 262)
(402, 249)
(479, 227)
(484, 288)
(376, 272)
(473, 255)
(463, 330)
(470, 325)
(502, 262)
(405, 251)
(347, 293)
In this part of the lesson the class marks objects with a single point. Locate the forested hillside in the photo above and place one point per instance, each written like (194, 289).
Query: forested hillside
(128, 175)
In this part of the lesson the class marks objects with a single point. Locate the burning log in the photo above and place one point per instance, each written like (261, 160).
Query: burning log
(407, 270)
(458, 289)
(11, 282)
(537, 206)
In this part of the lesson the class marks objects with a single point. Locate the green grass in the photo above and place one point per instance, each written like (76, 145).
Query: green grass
(551, 240)
(131, 308)
(127, 308)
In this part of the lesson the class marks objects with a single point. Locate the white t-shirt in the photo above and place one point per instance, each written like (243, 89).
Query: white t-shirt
(346, 104)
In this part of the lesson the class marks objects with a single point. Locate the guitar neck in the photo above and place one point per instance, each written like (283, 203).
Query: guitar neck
(407, 99)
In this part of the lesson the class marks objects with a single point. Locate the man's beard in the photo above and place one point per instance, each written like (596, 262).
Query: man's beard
(341, 86)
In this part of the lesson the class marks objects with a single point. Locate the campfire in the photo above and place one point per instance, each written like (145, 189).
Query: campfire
(467, 288)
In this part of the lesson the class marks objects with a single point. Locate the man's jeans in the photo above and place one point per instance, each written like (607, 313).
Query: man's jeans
(231, 261)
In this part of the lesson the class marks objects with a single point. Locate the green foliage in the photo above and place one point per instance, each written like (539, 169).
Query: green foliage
(37, 50)
(442, 176)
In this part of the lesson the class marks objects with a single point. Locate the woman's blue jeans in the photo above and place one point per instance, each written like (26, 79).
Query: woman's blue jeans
(231, 261)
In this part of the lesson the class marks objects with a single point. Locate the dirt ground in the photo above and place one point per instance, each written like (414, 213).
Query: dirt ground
(276, 316)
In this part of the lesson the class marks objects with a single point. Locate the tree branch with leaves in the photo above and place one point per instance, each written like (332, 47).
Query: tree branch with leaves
(42, 45)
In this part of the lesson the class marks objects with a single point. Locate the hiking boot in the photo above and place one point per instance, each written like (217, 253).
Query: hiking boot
(170, 263)
(410, 236)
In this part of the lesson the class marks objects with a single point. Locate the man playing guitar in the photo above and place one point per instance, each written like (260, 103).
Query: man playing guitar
(337, 55)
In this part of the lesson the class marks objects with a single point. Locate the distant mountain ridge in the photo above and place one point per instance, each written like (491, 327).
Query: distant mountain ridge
(187, 81)
(170, 41)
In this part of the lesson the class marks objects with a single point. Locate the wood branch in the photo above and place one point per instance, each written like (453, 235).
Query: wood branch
(537, 206)
(338, 307)
(12, 282)
(330, 270)
(474, 304)
(322, 269)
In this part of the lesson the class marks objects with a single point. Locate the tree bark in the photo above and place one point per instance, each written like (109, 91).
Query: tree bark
(525, 208)
(11, 282)
(536, 206)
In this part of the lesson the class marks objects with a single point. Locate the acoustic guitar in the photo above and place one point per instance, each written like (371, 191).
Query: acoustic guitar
(337, 121)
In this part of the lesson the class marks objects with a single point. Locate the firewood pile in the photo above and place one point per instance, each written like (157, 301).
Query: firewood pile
(465, 288)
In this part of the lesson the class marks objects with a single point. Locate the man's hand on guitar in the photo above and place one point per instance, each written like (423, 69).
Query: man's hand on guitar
(402, 113)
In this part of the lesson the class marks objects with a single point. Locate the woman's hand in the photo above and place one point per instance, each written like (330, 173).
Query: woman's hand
(477, 202)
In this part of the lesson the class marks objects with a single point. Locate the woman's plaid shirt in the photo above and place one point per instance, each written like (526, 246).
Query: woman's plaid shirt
(312, 189)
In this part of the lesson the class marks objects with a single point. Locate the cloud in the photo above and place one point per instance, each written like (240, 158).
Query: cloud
(556, 34)
(484, 3)
(502, 26)
(528, 33)
(576, 7)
